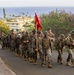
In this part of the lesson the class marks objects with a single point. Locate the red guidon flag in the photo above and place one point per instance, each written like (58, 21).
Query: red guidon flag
(38, 25)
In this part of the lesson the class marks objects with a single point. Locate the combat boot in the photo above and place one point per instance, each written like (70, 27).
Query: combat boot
(49, 65)
(58, 61)
(17, 55)
(68, 64)
(46, 58)
(73, 64)
(43, 64)
(61, 62)
(31, 60)
(35, 62)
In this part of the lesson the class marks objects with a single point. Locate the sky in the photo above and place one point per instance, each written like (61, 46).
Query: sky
(27, 3)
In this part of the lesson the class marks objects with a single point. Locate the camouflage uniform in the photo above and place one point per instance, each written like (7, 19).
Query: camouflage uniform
(25, 41)
(2, 39)
(18, 44)
(70, 47)
(59, 46)
(38, 45)
(12, 41)
(8, 41)
(52, 36)
(46, 45)
(5, 41)
(32, 45)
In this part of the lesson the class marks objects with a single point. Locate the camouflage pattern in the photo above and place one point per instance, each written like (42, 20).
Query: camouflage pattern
(38, 45)
(17, 44)
(52, 37)
(12, 41)
(59, 46)
(25, 41)
(70, 47)
(46, 47)
(2, 38)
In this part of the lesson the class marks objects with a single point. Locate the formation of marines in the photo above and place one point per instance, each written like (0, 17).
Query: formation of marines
(31, 45)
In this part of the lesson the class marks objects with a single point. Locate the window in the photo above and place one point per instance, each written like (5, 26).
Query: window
(16, 23)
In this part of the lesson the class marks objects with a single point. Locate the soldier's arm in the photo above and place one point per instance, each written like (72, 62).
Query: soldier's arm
(50, 44)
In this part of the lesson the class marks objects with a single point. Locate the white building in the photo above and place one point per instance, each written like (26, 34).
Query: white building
(16, 23)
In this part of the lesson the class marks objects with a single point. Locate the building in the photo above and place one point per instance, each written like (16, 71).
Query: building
(17, 23)
(14, 25)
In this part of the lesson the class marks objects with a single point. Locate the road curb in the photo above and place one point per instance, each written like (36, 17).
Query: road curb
(4, 70)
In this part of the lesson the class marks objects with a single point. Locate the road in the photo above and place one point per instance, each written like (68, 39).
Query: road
(22, 67)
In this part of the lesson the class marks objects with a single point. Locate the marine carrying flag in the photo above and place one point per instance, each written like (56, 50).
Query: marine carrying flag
(38, 25)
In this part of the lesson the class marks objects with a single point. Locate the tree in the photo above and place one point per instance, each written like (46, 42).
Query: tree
(59, 21)
(3, 27)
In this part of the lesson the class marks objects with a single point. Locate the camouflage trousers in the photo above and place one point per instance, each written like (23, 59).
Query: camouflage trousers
(46, 55)
(59, 58)
(12, 46)
(25, 51)
(71, 55)
(19, 49)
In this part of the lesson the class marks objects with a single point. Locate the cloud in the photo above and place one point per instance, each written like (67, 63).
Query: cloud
(22, 3)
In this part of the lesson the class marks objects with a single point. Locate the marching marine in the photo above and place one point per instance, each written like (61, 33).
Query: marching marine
(25, 41)
(70, 48)
(60, 43)
(46, 47)
(38, 45)
(32, 38)
(52, 36)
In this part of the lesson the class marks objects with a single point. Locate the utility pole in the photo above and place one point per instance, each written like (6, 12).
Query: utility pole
(4, 13)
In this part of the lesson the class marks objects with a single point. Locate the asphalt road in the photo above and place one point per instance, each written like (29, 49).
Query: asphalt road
(22, 67)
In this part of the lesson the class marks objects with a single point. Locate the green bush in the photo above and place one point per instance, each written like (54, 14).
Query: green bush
(4, 28)
(59, 21)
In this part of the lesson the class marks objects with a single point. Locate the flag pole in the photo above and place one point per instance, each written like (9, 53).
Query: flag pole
(37, 27)
(36, 39)
(36, 36)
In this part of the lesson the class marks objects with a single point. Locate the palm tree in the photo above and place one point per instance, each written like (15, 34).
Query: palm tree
(13, 15)
(22, 13)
